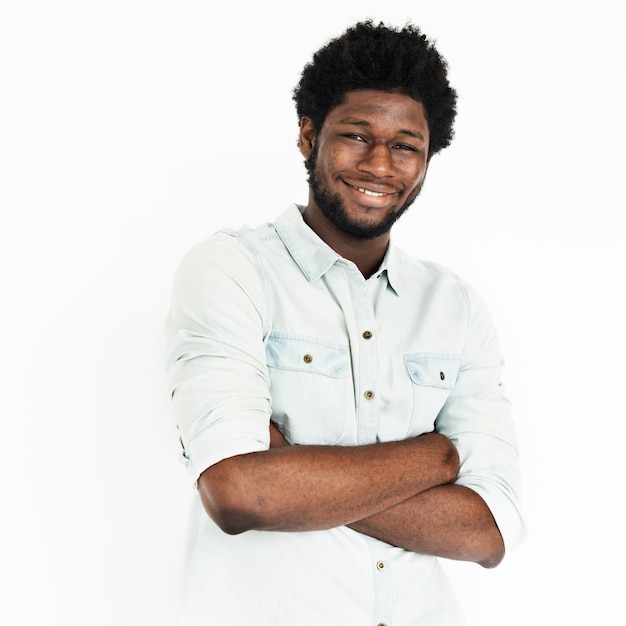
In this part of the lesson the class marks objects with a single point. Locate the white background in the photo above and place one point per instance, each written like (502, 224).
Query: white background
(130, 130)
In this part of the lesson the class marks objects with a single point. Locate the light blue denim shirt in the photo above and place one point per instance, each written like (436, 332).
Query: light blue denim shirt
(272, 324)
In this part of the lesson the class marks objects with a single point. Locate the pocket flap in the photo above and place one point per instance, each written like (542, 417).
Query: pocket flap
(307, 354)
(433, 369)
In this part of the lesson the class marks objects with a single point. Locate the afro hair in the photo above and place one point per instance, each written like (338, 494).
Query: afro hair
(368, 56)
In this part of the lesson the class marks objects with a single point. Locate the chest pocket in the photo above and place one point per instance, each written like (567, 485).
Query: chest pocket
(308, 386)
(433, 375)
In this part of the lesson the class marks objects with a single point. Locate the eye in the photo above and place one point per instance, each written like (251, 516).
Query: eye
(405, 147)
(354, 137)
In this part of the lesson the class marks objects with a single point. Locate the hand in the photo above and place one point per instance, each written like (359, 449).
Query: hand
(277, 439)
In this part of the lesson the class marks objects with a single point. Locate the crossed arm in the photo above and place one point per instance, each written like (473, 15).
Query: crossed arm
(401, 492)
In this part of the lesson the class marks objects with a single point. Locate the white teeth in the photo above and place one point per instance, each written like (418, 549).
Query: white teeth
(367, 192)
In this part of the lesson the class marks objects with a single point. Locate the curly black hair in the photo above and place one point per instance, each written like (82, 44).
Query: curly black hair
(368, 56)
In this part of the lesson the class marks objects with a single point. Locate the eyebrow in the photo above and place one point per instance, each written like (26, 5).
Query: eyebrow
(352, 121)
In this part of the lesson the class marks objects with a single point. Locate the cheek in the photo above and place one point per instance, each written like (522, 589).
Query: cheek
(418, 175)
(329, 166)
(415, 186)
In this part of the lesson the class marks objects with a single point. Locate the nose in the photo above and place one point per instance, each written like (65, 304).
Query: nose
(378, 161)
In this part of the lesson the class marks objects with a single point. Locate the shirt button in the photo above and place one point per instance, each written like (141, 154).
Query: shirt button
(380, 566)
(368, 394)
(367, 334)
(442, 376)
(308, 358)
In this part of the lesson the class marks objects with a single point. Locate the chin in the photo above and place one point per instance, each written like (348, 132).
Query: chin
(360, 229)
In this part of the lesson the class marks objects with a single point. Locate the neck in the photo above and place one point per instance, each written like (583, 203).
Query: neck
(366, 254)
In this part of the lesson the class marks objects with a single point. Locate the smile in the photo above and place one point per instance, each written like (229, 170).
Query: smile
(374, 194)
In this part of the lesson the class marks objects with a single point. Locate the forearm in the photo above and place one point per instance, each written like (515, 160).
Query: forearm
(448, 520)
(300, 488)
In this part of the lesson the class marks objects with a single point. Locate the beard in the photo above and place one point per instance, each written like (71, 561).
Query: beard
(333, 208)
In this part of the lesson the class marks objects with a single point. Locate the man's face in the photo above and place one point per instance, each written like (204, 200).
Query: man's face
(368, 162)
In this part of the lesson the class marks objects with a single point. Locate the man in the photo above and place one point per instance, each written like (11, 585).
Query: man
(339, 403)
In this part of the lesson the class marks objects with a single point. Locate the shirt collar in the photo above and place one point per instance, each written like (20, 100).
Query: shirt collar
(389, 268)
(314, 256)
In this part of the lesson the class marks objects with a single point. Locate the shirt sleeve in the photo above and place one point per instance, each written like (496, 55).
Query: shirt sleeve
(477, 419)
(216, 355)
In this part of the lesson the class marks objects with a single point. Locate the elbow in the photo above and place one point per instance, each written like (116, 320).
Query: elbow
(229, 518)
(223, 500)
(493, 556)
(229, 521)
(492, 560)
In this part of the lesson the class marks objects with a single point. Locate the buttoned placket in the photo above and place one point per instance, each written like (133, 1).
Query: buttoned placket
(367, 398)
(362, 331)
(383, 594)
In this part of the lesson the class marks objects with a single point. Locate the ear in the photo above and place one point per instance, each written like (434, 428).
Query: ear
(307, 137)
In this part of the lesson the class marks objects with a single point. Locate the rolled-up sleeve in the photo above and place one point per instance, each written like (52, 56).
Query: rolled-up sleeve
(215, 353)
(477, 419)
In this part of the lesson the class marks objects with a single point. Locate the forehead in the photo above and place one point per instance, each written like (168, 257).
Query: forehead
(381, 110)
